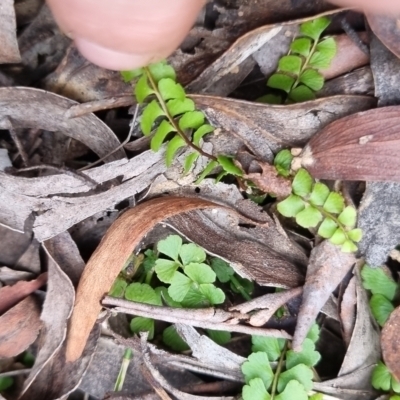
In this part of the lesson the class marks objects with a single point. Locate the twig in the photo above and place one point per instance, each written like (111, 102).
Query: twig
(21, 150)
(15, 373)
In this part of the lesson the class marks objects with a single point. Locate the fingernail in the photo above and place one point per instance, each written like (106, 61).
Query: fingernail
(111, 59)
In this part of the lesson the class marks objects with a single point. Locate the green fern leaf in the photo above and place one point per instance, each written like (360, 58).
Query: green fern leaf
(161, 133)
(207, 170)
(301, 46)
(313, 79)
(151, 112)
(191, 120)
(173, 146)
(177, 106)
(228, 165)
(169, 89)
(290, 64)
(161, 70)
(281, 81)
(314, 28)
(189, 161)
(142, 89)
(200, 132)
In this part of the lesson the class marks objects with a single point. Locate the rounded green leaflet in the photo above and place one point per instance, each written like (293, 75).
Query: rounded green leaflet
(290, 64)
(327, 47)
(258, 366)
(310, 217)
(200, 273)
(191, 120)
(219, 337)
(319, 194)
(118, 288)
(314, 28)
(377, 281)
(327, 228)
(173, 146)
(178, 106)
(302, 183)
(319, 60)
(301, 93)
(339, 237)
(200, 132)
(313, 79)
(381, 308)
(130, 75)
(161, 70)
(170, 246)
(172, 339)
(161, 133)
(142, 89)
(334, 203)
(165, 269)
(142, 293)
(180, 286)
(228, 165)
(293, 390)
(381, 377)
(150, 113)
(300, 373)
(349, 247)
(348, 217)
(142, 324)
(191, 253)
(255, 390)
(283, 160)
(301, 46)
(169, 89)
(355, 235)
(291, 206)
(281, 81)
(213, 294)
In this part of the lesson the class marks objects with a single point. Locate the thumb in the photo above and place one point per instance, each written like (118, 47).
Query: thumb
(126, 34)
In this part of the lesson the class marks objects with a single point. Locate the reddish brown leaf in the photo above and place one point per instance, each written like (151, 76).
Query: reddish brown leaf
(108, 259)
(11, 295)
(390, 343)
(363, 146)
(19, 327)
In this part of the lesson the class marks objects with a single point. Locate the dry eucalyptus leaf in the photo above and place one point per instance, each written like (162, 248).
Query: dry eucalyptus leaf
(13, 244)
(9, 276)
(11, 295)
(348, 311)
(267, 128)
(19, 327)
(363, 146)
(390, 343)
(118, 243)
(327, 267)
(9, 52)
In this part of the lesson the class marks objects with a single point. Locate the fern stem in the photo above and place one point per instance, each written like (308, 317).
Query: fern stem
(171, 119)
(278, 370)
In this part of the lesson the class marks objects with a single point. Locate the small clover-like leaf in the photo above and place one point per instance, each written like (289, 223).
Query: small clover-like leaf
(339, 237)
(381, 308)
(269, 345)
(310, 217)
(290, 64)
(327, 228)
(172, 339)
(222, 269)
(301, 93)
(319, 194)
(167, 299)
(142, 324)
(319, 60)
(195, 299)
(169, 89)
(314, 28)
(327, 47)
(255, 390)
(191, 253)
(142, 89)
(281, 81)
(378, 282)
(349, 247)
(200, 273)
(180, 285)
(142, 293)
(307, 356)
(334, 203)
(291, 206)
(293, 390)
(165, 269)
(283, 161)
(270, 98)
(161, 133)
(170, 246)
(200, 132)
(219, 337)
(348, 217)
(381, 377)
(313, 79)
(161, 70)
(395, 384)
(189, 161)
(302, 183)
(229, 166)
(301, 373)
(257, 366)
(180, 106)
(301, 46)
(130, 75)
(313, 334)
(150, 113)
(206, 171)
(213, 294)
(118, 288)
(355, 235)
(173, 146)
(191, 120)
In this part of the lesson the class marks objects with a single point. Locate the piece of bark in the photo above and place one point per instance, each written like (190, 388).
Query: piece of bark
(9, 52)
(390, 343)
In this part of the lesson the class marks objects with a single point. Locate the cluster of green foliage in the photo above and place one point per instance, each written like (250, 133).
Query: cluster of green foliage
(174, 118)
(384, 292)
(297, 78)
(275, 372)
(314, 205)
(190, 282)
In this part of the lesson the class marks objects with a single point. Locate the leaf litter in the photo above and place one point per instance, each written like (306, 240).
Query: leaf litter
(63, 209)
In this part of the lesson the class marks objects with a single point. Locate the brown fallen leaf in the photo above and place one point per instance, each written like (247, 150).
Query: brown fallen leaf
(363, 146)
(109, 258)
(9, 52)
(348, 311)
(11, 295)
(19, 327)
(326, 269)
(390, 343)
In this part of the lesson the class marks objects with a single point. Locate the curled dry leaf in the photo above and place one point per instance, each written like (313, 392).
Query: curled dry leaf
(11, 295)
(363, 146)
(9, 52)
(348, 310)
(19, 327)
(326, 269)
(109, 258)
(390, 342)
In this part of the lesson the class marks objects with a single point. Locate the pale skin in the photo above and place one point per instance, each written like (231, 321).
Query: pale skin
(126, 34)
